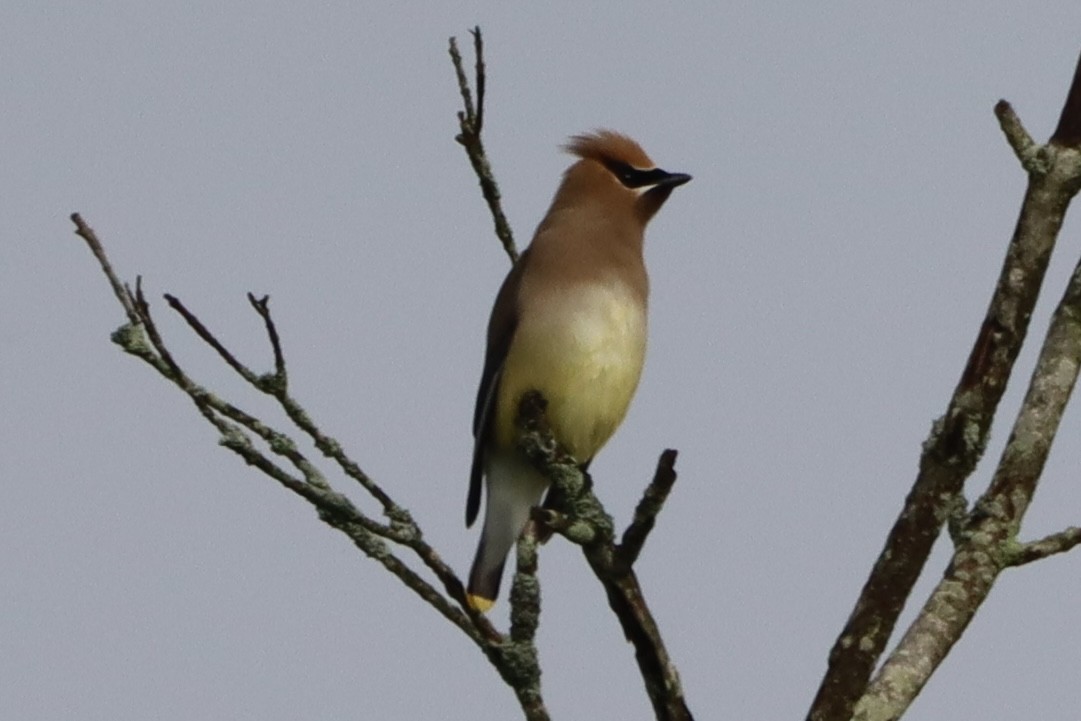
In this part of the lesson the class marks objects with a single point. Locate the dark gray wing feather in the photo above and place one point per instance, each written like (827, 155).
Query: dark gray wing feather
(501, 328)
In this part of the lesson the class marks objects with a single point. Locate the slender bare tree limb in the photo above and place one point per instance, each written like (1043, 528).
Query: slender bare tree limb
(645, 514)
(1024, 147)
(207, 337)
(469, 113)
(470, 125)
(280, 379)
(1056, 543)
(516, 662)
(402, 528)
(481, 74)
(142, 308)
(121, 292)
(958, 439)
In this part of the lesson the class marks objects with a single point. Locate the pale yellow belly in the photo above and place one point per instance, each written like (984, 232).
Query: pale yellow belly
(584, 352)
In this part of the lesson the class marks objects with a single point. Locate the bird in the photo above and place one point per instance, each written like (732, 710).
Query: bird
(568, 321)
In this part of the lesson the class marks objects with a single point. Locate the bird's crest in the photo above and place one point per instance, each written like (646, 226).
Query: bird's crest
(608, 146)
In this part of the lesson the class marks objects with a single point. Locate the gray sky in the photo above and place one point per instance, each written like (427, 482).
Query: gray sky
(815, 293)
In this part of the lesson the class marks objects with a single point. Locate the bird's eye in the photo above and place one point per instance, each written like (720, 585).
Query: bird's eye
(634, 178)
(625, 173)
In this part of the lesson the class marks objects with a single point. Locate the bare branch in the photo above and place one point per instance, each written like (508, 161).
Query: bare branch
(326, 445)
(645, 514)
(998, 514)
(480, 74)
(618, 579)
(1024, 147)
(262, 307)
(122, 294)
(469, 114)
(1060, 542)
(470, 124)
(402, 529)
(988, 540)
(141, 338)
(200, 330)
(957, 440)
(142, 308)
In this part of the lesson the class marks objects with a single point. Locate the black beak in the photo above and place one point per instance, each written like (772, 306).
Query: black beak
(671, 180)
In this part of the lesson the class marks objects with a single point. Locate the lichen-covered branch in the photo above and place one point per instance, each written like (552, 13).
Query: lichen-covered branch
(989, 539)
(958, 439)
(581, 509)
(515, 659)
(1061, 542)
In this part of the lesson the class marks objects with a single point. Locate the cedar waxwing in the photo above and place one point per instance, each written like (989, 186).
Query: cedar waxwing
(569, 321)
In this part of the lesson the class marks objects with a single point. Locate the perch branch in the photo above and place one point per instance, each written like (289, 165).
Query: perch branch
(618, 578)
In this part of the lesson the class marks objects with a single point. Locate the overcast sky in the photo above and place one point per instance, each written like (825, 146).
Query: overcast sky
(816, 289)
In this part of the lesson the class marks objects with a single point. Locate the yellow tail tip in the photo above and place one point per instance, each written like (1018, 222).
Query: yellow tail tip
(479, 603)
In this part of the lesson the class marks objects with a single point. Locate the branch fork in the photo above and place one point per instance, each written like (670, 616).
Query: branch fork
(984, 537)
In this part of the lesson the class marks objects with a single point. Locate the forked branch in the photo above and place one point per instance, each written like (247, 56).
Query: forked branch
(470, 125)
(259, 444)
(954, 447)
(582, 519)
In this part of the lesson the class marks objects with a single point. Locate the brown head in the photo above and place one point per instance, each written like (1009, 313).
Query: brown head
(614, 169)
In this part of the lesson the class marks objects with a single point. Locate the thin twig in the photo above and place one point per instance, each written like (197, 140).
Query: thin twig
(207, 337)
(645, 514)
(1024, 147)
(262, 307)
(481, 75)
(326, 445)
(85, 232)
(142, 339)
(469, 114)
(470, 125)
(402, 529)
(142, 308)
(1055, 543)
